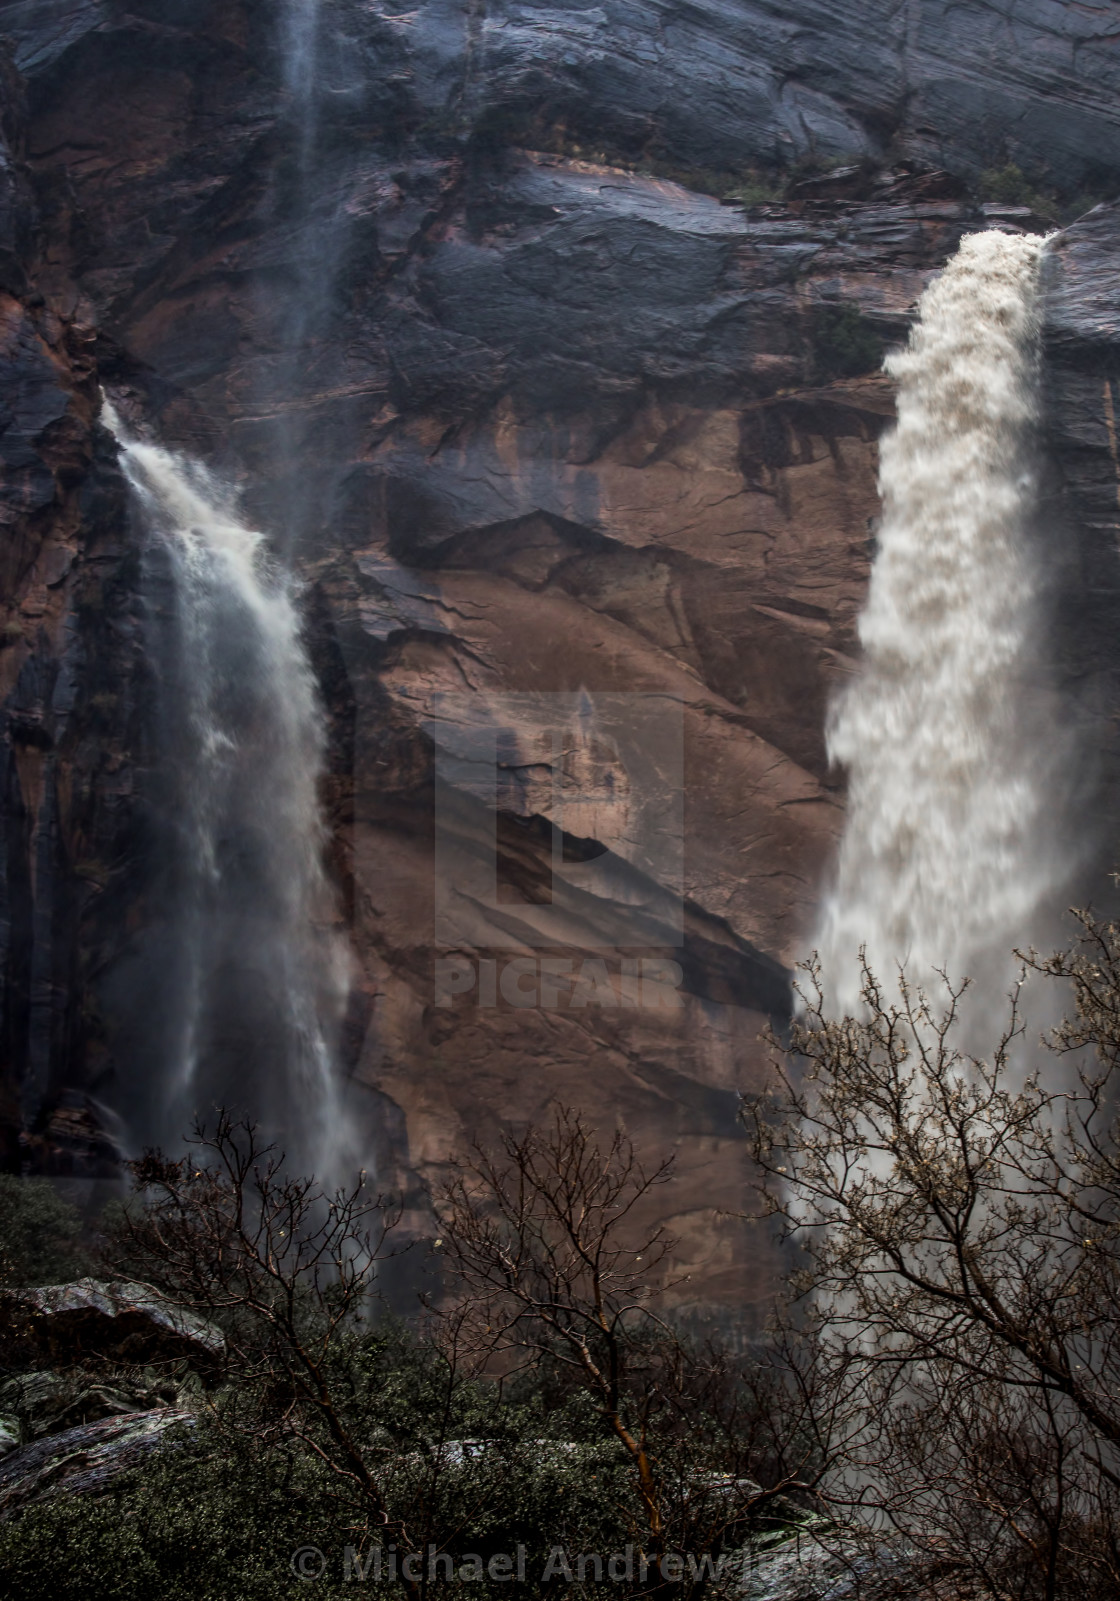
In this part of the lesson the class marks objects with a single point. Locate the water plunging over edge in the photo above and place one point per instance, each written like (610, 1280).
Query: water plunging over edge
(952, 746)
(243, 732)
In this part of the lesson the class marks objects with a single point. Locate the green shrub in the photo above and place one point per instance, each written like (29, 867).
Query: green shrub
(470, 1466)
(844, 344)
(754, 190)
(1078, 204)
(195, 1522)
(38, 1233)
(215, 1518)
(1009, 186)
(322, 1429)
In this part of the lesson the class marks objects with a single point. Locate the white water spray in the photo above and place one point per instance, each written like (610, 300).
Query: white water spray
(260, 976)
(301, 23)
(951, 848)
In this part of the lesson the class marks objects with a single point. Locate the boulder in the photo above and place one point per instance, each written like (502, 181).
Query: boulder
(85, 1459)
(1081, 429)
(48, 1401)
(121, 1321)
(11, 1435)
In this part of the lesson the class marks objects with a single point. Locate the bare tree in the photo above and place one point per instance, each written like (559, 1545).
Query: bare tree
(959, 1220)
(288, 1271)
(557, 1271)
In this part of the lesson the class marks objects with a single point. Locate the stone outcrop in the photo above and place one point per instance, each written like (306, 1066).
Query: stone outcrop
(118, 1321)
(47, 1401)
(69, 668)
(532, 418)
(85, 1459)
(1082, 381)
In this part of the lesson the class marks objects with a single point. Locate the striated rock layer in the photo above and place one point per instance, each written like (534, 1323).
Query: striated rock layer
(528, 420)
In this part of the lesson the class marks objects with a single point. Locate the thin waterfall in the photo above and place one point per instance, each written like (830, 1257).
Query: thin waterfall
(952, 846)
(255, 973)
(301, 21)
(303, 209)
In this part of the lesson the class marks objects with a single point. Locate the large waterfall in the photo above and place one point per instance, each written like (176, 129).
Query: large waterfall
(251, 975)
(947, 731)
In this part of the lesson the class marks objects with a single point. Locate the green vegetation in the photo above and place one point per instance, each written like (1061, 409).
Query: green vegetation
(940, 1385)
(557, 1413)
(843, 342)
(218, 1513)
(39, 1233)
(1009, 186)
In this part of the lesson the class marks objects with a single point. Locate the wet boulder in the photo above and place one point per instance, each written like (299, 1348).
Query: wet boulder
(120, 1321)
(47, 1402)
(85, 1459)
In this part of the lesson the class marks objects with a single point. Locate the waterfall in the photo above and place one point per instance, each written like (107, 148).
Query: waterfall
(302, 208)
(301, 50)
(252, 974)
(948, 733)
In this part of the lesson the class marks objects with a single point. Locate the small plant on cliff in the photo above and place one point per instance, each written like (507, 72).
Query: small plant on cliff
(1009, 186)
(843, 343)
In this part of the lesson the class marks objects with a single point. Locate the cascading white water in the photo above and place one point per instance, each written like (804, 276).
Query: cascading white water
(947, 732)
(259, 975)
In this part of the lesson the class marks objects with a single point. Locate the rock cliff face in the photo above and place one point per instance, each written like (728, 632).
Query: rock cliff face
(1081, 375)
(530, 418)
(71, 671)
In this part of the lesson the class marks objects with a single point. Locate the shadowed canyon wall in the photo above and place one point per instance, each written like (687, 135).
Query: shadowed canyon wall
(530, 410)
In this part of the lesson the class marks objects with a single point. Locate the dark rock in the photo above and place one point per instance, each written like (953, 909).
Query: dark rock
(811, 1566)
(77, 1141)
(17, 209)
(1082, 322)
(125, 1322)
(842, 183)
(712, 85)
(49, 1401)
(529, 421)
(1082, 418)
(86, 1459)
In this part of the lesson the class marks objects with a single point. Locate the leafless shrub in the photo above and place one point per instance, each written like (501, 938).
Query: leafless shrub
(556, 1273)
(287, 1270)
(959, 1220)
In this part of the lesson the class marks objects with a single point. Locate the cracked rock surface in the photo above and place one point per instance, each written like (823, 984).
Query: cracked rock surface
(532, 418)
